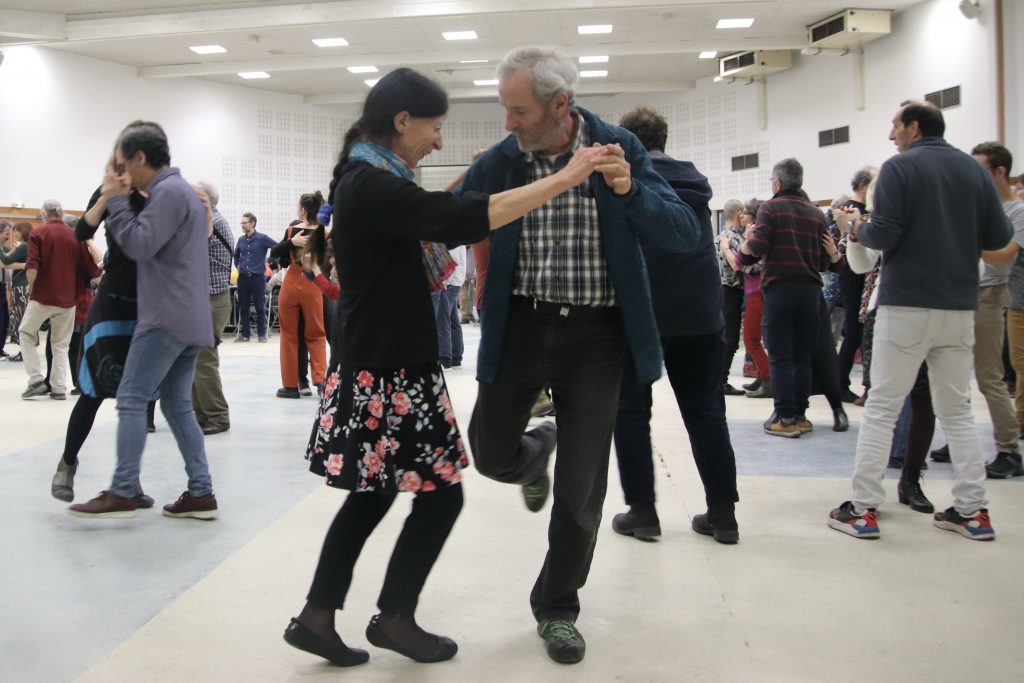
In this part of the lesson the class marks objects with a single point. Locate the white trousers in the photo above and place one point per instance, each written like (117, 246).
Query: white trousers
(904, 337)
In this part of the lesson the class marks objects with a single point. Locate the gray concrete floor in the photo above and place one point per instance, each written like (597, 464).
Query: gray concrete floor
(155, 599)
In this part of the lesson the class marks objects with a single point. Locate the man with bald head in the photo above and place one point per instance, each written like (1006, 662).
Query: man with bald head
(935, 210)
(54, 258)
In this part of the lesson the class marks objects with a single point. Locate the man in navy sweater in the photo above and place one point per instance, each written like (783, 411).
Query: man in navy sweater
(936, 209)
(693, 345)
(791, 238)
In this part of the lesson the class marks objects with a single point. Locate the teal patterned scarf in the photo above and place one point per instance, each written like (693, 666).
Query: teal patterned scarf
(437, 262)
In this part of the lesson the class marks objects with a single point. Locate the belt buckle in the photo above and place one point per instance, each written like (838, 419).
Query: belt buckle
(563, 311)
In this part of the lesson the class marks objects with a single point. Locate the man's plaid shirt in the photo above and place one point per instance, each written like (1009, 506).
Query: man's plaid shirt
(560, 254)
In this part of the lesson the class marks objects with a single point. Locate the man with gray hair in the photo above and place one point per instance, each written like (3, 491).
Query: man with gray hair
(54, 258)
(207, 392)
(566, 297)
(792, 241)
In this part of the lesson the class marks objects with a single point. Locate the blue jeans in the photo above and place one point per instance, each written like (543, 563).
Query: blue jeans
(250, 293)
(449, 326)
(156, 360)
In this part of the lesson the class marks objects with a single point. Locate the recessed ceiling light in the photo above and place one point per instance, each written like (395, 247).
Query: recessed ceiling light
(594, 28)
(488, 81)
(459, 35)
(708, 54)
(593, 74)
(734, 23)
(249, 75)
(371, 81)
(207, 49)
(330, 42)
(473, 61)
(362, 69)
(594, 59)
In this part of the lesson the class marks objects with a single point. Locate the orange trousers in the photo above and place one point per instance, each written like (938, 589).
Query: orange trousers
(299, 294)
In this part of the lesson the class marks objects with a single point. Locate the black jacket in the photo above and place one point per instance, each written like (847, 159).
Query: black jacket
(686, 289)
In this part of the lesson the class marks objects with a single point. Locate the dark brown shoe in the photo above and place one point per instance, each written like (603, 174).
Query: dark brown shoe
(187, 505)
(107, 504)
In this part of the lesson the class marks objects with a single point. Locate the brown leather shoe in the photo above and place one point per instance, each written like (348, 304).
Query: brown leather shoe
(187, 505)
(107, 504)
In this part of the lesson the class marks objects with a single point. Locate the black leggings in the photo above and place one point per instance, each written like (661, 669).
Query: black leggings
(423, 535)
(83, 415)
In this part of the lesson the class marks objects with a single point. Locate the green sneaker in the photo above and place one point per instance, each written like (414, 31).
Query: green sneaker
(565, 644)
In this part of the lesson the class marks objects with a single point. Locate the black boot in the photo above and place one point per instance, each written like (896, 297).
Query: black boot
(840, 423)
(910, 493)
(641, 522)
(753, 386)
(763, 391)
(719, 522)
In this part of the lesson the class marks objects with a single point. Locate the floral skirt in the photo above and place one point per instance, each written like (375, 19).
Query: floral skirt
(386, 430)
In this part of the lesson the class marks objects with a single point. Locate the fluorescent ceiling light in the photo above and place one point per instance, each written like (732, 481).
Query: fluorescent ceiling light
(249, 75)
(708, 54)
(330, 42)
(734, 23)
(594, 59)
(594, 28)
(473, 61)
(207, 49)
(489, 81)
(371, 81)
(459, 35)
(362, 69)
(593, 74)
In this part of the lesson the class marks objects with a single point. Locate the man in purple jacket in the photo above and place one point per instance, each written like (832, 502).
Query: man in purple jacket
(168, 240)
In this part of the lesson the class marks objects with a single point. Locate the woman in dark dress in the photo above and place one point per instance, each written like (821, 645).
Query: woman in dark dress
(385, 422)
(106, 335)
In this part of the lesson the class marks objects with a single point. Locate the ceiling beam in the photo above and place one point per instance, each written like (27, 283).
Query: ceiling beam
(272, 64)
(491, 94)
(31, 26)
(99, 27)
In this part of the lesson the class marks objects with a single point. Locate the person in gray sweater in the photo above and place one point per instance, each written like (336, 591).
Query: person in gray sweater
(935, 211)
(168, 241)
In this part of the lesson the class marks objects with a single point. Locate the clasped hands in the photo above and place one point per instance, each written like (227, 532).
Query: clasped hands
(608, 160)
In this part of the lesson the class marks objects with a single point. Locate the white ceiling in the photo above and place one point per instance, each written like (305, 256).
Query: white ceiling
(653, 47)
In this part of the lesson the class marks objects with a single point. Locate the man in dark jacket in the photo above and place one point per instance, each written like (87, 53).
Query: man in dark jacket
(566, 296)
(693, 347)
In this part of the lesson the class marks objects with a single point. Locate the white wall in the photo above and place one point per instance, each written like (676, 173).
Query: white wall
(932, 47)
(62, 113)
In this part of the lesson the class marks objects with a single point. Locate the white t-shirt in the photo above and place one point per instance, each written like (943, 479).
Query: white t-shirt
(459, 275)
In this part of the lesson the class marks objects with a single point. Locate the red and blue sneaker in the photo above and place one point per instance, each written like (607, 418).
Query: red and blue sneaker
(844, 518)
(977, 527)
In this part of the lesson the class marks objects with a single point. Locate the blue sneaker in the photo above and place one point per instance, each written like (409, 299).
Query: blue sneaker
(845, 519)
(977, 527)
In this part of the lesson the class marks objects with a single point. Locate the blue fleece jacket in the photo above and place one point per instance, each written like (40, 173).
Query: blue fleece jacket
(651, 209)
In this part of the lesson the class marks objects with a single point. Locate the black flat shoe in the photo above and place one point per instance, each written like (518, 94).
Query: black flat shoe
(339, 654)
(445, 649)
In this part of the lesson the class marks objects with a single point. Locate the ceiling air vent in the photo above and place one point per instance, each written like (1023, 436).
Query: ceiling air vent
(943, 99)
(850, 28)
(755, 63)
